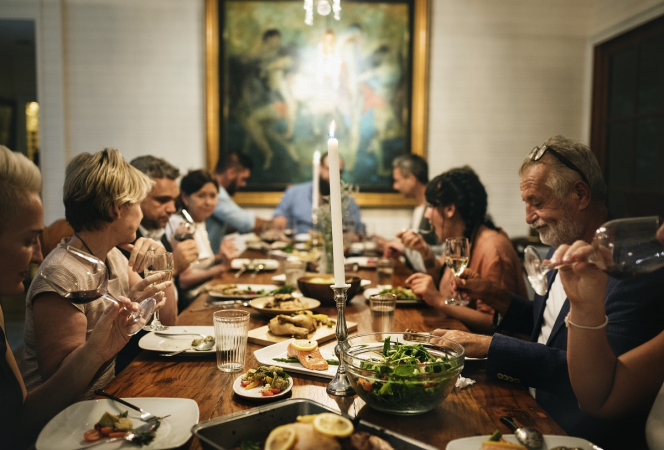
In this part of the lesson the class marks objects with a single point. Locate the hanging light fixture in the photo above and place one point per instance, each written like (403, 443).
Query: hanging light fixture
(323, 7)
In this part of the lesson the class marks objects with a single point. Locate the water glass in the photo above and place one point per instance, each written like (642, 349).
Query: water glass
(385, 273)
(294, 269)
(382, 308)
(231, 328)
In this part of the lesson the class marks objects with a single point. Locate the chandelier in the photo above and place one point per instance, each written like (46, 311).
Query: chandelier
(323, 7)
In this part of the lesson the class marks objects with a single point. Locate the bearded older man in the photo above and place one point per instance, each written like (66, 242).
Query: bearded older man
(562, 187)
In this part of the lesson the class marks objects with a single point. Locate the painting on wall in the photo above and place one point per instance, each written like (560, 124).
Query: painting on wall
(281, 83)
(8, 124)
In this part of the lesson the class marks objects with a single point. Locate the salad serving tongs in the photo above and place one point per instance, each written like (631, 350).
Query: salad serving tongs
(145, 416)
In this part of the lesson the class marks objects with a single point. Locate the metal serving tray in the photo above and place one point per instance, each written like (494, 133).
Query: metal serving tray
(224, 433)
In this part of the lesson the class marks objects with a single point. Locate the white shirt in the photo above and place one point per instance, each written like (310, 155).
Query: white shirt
(152, 234)
(552, 309)
(414, 256)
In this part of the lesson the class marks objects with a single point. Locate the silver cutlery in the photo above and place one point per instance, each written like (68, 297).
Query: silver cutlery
(202, 347)
(170, 335)
(528, 436)
(145, 416)
(150, 428)
(258, 268)
(243, 269)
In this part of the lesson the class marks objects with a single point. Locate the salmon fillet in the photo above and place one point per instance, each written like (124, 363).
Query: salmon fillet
(312, 359)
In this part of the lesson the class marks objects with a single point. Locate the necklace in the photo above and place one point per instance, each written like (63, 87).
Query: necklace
(86, 245)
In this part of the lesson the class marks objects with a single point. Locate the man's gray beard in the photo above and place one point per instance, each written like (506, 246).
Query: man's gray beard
(566, 232)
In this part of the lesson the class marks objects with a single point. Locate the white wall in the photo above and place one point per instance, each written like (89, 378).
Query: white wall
(505, 75)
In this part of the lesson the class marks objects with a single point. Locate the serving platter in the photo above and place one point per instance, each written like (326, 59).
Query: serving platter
(270, 264)
(266, 357)
(259, 305)
(178, 341)
(263, 336)
(257, 290)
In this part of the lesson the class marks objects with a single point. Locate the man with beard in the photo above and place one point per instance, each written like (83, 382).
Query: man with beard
(296, 203)
(564, 192)
(231, 173)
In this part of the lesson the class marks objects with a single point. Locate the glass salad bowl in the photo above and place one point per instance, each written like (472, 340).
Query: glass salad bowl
(402, 373)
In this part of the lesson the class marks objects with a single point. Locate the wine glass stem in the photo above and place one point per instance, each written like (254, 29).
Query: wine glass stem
(156, 321)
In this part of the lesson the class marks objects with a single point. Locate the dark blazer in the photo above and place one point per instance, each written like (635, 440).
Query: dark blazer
(635, 308)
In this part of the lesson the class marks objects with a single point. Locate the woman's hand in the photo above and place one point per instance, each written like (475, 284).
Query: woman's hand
(413, 240)
(584, 282)
(110, 333)
(228, 251)
(152, 286)
(139, 250)
(424, 287)
(184, 253)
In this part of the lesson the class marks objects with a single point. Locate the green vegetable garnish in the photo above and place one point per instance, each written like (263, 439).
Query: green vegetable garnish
(495, 437)
(292, 359)
(386, 346)
(248, 444)
(285, 289)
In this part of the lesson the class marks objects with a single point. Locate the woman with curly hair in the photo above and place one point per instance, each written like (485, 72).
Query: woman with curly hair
(457, 205)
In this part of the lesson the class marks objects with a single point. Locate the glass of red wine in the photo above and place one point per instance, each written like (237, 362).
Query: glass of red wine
(81, 278)
(622, 248)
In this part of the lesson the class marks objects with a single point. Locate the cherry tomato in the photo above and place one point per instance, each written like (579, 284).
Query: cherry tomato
(267, 393)
(275, 390)
(92, 435)
(245, 383)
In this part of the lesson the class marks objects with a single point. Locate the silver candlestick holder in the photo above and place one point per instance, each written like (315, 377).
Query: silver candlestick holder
(340, 386)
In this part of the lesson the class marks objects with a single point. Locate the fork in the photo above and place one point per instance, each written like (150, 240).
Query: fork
(145, 416)
(145, 428)
(171, 335)
(258, 269)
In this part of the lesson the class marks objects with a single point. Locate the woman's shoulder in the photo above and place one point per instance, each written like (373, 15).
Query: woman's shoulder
(489, 238)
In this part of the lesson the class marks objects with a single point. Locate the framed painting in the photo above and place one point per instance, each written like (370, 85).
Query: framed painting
(275, 84)
(8, 124)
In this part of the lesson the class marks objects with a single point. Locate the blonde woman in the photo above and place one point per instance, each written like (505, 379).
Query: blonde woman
(21, 220)
(102, 196)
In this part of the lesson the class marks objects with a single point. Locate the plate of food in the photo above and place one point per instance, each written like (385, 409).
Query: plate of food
(550, 442)
(263, 383)
(405, 296)
(301, 356)
(177, 338)
(300, 324)
(241, 291)
(70, 427)
(365, 262)
(283, 304)
(251, 429)
(252, 264)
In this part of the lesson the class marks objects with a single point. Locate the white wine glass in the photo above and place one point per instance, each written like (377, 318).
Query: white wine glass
(81, 278)
(158, 263)
(456, 257)
(623, 248)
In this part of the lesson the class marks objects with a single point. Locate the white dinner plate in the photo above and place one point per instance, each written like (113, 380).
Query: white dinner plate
(156, 343)
(266, 355)
(259, 305)
(258, 290)
(255, 393)
(270, 264)
(365, 262)
(550, 441)
(400, 301)
(65, 431)
(281, 279)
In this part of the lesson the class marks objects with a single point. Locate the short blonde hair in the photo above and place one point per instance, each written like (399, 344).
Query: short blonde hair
(95, 183)
(19, 178)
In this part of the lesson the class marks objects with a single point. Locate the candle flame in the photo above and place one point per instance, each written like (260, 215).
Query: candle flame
(332, 125)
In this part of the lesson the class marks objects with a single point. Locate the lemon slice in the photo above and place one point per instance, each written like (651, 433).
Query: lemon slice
(281, 438)
(333, 425)
(307, 419)
(304, 345)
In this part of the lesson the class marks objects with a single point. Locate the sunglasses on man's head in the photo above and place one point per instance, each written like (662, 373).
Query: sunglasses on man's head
(538, 152)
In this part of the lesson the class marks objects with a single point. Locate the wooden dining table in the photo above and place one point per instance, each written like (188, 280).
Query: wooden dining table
(470, 411)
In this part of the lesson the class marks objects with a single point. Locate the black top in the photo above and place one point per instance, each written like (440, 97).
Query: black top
(11, 402)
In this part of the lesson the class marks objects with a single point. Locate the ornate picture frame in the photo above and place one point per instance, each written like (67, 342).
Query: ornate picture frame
(273, 84)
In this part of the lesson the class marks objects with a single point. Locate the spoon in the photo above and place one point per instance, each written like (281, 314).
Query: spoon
(528, 436)
(202, 347)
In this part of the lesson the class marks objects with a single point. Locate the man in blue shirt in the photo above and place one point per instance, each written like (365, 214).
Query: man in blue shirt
(231, 173)
(296, 204)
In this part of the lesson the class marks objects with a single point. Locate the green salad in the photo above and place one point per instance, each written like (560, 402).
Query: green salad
(406, 377)
(400, 293)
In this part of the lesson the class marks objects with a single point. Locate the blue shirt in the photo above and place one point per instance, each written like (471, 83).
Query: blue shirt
(226, 213)
(296, 205)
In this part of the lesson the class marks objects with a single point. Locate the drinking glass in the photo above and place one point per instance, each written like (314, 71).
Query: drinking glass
(184, 231)
(382, 308)
(622, 248)
(81, 278)
(384, 273)
(231, 328)
(294, 269)
(158, 263)
(456, 257)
